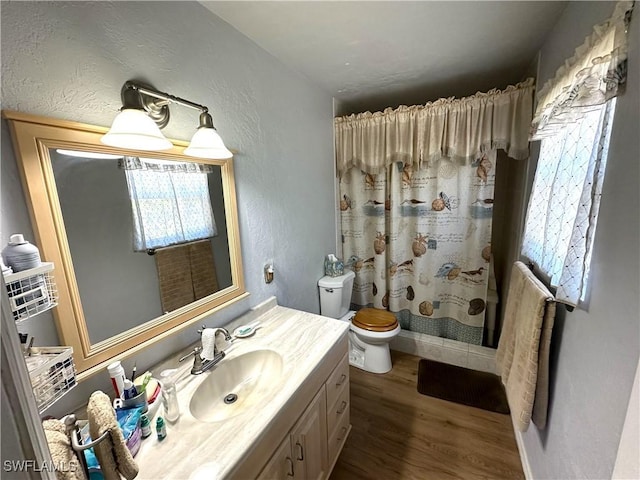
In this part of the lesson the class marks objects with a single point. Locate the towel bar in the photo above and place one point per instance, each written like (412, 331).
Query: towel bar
(73, 430)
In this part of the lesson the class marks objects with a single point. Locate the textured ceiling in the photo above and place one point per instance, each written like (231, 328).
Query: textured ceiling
(370, 55)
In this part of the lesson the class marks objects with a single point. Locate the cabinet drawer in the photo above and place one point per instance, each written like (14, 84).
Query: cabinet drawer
(338, 411)
(338, 379)
(337, 438)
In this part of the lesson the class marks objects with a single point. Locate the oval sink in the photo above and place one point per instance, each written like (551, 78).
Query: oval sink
(234, 385)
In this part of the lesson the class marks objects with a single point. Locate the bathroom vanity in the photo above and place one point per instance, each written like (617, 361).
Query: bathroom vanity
(291, 415)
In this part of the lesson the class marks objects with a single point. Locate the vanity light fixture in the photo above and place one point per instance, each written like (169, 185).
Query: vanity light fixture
(146, 110)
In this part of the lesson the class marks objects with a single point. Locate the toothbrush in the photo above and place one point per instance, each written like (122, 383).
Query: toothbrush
(145, 381)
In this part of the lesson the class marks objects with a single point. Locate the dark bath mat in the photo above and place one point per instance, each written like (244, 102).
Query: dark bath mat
(461, 385)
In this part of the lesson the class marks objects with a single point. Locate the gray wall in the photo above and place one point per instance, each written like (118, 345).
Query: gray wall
(508, 204)
(119, 288)
(70, 60)
(595, 352)
(220, 243)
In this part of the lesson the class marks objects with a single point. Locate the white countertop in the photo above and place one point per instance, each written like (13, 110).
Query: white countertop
(194, 449)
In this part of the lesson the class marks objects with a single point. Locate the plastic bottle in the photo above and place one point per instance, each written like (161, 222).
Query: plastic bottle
(145, 425)
(116, 372)
(161, 429)
(170, 396)
(129, 391)
(20, 255)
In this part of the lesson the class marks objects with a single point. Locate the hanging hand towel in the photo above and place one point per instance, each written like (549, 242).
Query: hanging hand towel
(522, 357)
(113, 455)
(66, 463)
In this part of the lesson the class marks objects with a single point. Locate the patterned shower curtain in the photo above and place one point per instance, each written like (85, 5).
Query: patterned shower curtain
(419, 243)
(416, 203)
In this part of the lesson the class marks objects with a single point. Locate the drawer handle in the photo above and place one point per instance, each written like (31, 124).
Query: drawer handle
(343, 377)
(343, 430)
(343, 407)
(300, 452)
(290, 472)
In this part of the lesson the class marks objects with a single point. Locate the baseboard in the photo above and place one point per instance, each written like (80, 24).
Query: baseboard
(524, 459)
(444, 350)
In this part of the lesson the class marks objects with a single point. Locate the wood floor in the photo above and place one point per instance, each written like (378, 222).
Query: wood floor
(399, 433)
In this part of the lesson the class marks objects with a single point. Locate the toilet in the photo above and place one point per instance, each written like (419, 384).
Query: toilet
(370, 329)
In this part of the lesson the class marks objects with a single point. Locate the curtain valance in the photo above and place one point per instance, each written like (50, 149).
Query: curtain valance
(593, 75)
(152, 165)
(459, 129)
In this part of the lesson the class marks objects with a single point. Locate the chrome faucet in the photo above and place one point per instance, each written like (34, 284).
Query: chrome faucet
(227, 336)
(199, 364)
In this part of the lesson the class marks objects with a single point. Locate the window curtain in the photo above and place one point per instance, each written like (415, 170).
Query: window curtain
(596, 72)
(170, 206)
(154, 165)
(573, 119)
(458, 129)
(564, 203)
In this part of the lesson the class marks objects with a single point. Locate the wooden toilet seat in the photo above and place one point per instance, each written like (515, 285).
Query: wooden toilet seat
(375, 320)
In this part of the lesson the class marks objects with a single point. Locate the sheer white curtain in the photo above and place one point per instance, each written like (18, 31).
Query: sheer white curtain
(169, 207)
(564, 203)
(573, 120)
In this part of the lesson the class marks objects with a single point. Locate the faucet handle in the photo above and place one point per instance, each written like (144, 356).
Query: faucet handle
(200, 330)
(195, 352)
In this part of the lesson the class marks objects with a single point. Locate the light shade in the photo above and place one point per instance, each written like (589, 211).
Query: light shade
(133, 129)
(206, 143)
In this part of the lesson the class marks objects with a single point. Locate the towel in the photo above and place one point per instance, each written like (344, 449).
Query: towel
(66, 463)
(113, 455)
(522, 357)
(186, 273)
(208, 339)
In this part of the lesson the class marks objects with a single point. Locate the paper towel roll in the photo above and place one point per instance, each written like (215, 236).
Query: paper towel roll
(208, 343)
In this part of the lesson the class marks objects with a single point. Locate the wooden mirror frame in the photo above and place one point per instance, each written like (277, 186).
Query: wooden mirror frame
(33, 137)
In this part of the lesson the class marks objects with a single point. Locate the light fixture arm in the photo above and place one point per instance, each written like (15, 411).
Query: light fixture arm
(156, 103)
(145, 90)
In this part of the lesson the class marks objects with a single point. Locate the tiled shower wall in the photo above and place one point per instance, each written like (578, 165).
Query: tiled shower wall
(444, 350)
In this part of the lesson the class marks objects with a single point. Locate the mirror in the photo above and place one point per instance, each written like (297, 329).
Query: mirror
(120, 287)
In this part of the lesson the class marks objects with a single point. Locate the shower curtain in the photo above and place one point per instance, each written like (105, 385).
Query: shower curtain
(416, 202)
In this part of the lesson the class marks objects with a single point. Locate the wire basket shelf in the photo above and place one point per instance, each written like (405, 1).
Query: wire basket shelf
(31, 291)
(52, 373)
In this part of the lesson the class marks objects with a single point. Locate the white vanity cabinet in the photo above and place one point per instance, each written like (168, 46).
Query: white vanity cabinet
(338, 406)
(297, 424)
(310, 449)
(303, 453)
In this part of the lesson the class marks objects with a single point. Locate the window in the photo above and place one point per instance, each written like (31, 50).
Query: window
(169, 208)
(563, 207)
(573, 120)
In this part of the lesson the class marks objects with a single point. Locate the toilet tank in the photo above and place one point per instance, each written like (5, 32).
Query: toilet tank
(335, 294)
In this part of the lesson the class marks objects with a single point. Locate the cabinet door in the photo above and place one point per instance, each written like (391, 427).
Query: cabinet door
(281, 464)
(309, 440)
